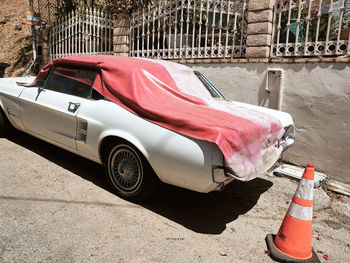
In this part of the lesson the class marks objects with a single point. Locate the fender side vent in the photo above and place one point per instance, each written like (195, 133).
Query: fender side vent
(82, 126)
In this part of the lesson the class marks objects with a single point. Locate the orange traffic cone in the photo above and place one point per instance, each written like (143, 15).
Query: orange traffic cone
(293, 243)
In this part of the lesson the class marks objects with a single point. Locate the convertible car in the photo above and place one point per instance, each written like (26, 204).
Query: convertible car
(146, 121)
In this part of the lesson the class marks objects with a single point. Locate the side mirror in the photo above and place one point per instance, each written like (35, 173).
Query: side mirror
(40, 83)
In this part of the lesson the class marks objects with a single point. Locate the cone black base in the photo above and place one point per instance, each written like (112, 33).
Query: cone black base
(280, 257)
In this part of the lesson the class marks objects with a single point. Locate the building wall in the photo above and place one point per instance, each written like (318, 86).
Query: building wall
(317, 95)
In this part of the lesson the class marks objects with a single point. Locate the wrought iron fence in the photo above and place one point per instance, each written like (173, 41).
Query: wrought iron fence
(84, 31)
(184, 29)
(311, 28)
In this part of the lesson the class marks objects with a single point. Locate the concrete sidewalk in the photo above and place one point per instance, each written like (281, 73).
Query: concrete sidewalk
(56, 207)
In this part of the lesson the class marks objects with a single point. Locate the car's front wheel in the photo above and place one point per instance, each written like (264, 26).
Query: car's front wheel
(129, 173)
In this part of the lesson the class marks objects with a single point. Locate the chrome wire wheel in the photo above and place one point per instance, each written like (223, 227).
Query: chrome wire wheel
(125, 169)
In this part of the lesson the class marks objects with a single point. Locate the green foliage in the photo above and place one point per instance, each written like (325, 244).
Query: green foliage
(63, 7)
(126, 6)
(346, 15)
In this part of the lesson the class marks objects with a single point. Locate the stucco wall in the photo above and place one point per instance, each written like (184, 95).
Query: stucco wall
(317, 95)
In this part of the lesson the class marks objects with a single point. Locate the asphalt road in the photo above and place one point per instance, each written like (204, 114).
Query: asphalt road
(57, 207)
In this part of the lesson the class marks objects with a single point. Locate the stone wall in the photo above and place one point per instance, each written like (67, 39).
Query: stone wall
(121, 35)
(259, 31)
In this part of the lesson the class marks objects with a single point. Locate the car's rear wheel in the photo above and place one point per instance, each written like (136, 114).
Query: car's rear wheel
(4, 124)
(129, 173)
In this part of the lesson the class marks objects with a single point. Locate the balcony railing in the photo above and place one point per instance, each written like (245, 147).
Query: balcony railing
(311, 28)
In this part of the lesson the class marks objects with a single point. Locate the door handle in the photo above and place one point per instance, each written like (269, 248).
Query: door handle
(72, 107)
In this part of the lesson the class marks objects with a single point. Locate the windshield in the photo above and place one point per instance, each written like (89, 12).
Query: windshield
(210, 87)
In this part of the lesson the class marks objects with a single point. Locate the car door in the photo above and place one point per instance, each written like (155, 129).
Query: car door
(50, 111)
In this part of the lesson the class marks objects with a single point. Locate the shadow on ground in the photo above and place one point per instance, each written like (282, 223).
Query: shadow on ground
(208, 213)
(85, 168)
(202, 213)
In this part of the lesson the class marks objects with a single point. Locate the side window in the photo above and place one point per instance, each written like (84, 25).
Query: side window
(95, 95)
(76, 82)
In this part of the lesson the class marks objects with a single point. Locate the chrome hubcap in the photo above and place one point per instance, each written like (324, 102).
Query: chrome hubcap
(126, 169)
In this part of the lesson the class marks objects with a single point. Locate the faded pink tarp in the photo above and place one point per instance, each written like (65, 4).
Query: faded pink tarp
(168, 95)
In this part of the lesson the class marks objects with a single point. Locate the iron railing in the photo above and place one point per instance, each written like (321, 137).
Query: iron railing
(311, 28)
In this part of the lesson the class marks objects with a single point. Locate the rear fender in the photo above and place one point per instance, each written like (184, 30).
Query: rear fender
(126, 136)
(2, 109)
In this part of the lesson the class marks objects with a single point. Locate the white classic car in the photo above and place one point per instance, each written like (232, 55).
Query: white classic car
(146, 121)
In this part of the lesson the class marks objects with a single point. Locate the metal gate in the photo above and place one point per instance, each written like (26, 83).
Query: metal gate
(84, 31)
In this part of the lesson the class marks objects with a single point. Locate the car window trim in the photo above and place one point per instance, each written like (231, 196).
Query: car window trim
(209, 84)
(75, 66)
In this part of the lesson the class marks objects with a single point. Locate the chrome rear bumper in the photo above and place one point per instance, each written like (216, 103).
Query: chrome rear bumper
(288, 138)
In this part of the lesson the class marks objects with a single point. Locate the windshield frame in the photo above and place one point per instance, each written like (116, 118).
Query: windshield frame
(214, 92)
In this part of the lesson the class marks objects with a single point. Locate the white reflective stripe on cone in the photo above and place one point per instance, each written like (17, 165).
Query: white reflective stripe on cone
(300, 212)
(305, 189)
